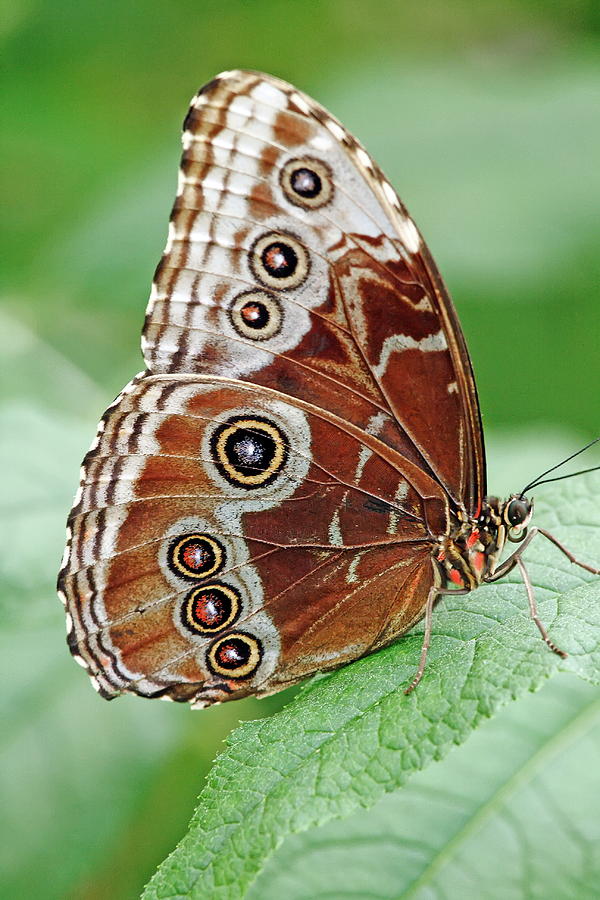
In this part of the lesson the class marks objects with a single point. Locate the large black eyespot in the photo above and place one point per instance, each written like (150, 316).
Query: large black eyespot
(196, 556)
(517, 512)
(256, 315)
(279, 261)
(249, 451)
(210, 608)
(307, 182)
(235, 655)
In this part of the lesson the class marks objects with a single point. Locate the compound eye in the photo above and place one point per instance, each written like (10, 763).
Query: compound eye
(517, 513)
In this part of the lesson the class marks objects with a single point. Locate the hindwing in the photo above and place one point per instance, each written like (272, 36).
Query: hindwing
(229, 540)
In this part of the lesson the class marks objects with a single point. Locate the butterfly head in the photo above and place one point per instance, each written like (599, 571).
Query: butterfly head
(516, 514)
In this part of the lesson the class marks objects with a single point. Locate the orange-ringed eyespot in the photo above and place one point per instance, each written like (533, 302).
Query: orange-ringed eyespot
(210, 608)
(256, 315)
(279, 261)
(249, 451)
(196, 556)
(307, 182)
(235, 655)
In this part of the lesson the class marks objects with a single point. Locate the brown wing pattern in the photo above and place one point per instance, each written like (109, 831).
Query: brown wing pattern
(263, 501)
(306, 551)
(364, 326)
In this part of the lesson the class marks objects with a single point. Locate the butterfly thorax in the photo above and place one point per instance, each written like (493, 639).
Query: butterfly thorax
(470, 553)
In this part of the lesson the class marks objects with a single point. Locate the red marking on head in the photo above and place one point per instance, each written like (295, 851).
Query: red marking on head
(441, 556)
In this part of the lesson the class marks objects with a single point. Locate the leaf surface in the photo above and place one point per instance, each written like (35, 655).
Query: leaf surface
(513, 813)
(353, 736)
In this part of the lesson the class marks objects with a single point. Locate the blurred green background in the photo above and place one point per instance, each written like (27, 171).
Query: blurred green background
(485, 117)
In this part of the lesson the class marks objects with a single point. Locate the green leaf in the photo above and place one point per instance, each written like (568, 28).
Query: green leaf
(352, 736)
(513, 813)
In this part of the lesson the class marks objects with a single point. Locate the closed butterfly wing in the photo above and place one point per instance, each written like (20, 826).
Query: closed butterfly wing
(228, 540)
(264, 501)
(292, 263)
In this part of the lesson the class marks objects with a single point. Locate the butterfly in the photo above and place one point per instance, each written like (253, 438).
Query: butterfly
(299, 473)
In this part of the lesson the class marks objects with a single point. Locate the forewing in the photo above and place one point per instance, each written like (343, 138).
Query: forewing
(291, 263)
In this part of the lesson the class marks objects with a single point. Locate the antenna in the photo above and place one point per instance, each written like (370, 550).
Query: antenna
(537, 481)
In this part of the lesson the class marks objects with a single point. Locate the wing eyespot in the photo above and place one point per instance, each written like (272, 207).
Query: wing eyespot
(196, 556)
(235, 655)
(249, 452)
(256, 315)
(210, 608)
(307, 182)
(279, 261)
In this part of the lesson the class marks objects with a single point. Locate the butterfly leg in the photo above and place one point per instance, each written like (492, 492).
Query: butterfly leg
(567, 552)
(530, 595)
(431, 598)
(511, 562)
(516, 560)
(534, 611)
